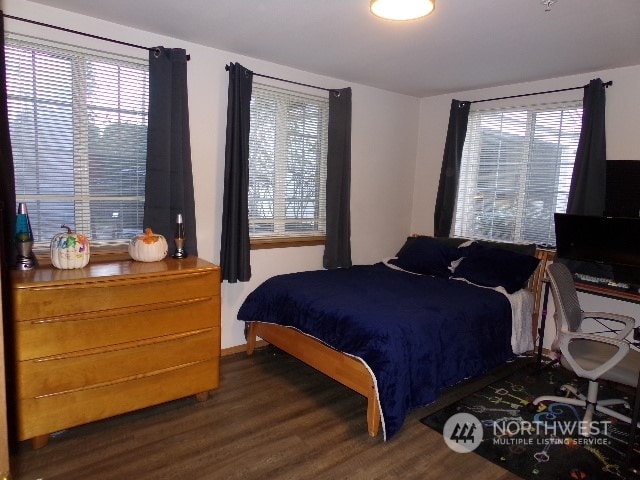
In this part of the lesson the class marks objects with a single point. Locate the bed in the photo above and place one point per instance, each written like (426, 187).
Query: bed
(399, 331)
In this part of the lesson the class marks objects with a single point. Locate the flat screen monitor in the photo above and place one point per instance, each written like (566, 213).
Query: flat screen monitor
(613, 241)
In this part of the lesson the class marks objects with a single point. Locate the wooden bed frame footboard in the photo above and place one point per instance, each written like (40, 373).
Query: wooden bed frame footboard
(348, 370)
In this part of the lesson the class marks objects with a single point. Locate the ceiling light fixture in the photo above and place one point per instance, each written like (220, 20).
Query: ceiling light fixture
(402, 9)
(547, 4)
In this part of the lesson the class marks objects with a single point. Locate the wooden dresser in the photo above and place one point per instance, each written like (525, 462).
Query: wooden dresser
(111, 338)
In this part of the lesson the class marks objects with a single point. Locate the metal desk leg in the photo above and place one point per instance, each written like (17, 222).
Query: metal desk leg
(543, 322)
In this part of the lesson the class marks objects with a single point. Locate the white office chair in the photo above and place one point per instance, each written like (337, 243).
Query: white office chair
(588, 355)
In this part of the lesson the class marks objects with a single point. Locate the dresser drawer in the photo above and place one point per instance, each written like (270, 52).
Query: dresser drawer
(44, 415)
(53, 336)
(91, 369)
(109, 293)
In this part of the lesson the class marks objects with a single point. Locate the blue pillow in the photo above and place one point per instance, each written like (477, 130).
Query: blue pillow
(493, 267)
(427, 256)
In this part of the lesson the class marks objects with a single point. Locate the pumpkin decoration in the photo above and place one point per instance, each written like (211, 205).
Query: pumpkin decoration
(69, 250)
(148, 247)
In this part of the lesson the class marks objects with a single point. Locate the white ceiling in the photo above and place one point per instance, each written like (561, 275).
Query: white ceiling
(463, 45)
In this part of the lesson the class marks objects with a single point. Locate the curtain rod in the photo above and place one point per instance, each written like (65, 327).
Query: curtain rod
(606, 84)
(68, 30)
(226, 67)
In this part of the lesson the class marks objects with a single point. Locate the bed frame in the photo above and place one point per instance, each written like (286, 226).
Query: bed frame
(348, 370)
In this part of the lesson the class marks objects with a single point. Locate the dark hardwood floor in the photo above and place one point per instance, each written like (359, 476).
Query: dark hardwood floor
(272, 418)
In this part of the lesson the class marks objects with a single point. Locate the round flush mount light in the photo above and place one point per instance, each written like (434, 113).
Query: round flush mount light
(402, 9)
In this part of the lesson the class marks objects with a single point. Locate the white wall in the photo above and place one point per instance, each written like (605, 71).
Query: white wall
(623, 143)
(384, 140)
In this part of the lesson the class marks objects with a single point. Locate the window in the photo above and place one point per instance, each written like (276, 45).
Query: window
(287, 164)
(78, 123)
(516, 172)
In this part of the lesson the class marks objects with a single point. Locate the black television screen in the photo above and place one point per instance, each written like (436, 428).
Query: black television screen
(606, 241)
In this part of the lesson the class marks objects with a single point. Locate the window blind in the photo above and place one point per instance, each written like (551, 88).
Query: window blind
(516, 171)
(287, 163)
(78, 121)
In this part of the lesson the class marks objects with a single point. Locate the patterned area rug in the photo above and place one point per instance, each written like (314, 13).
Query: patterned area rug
(542, 444)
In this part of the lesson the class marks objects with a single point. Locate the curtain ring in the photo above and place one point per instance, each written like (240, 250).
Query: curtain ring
(336, 93)
(156, 52)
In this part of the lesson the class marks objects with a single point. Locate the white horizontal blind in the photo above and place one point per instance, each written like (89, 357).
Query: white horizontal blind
(516, 171)
(287, 163)
(78, 124)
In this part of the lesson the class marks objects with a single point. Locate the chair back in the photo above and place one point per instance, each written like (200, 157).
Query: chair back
(568, 313)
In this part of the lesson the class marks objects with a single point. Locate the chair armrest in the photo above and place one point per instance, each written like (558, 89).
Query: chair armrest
(593, 374)
(629, 322)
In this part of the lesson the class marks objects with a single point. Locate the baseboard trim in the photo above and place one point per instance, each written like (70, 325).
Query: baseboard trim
(240, 348)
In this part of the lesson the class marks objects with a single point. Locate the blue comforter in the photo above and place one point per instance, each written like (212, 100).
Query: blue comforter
(416, 333)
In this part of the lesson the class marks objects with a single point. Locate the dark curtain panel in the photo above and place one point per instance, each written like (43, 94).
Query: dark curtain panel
(450, 170)
(588, 183)
(169, 182)
(234, 246)
(337, 249)
(7, 179)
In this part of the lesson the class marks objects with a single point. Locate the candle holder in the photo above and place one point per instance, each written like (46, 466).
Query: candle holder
(24, 239)
(179, 238)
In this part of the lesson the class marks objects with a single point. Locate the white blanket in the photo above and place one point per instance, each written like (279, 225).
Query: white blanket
(521, 320)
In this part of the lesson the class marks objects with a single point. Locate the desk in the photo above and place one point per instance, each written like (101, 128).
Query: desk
(604, 291)
(609, 292)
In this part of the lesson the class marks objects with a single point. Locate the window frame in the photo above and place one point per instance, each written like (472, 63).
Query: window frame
(79, 57)
(306, 238)
(570, 115)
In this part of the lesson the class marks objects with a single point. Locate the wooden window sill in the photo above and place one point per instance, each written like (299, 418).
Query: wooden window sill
(259, 244)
